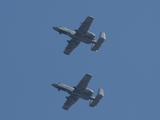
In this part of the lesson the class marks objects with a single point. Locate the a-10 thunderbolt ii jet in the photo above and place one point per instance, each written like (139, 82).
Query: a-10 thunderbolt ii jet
(81, 35)
(80, 91)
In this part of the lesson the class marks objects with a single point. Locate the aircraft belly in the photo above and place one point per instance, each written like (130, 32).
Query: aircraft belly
(82, 39)
(70, 34)
(85, 97)
(86, 40)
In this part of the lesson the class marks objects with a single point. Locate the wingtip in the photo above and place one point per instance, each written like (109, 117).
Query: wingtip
(65, 53)
(64, 108)
(91, 16)
(89, 74)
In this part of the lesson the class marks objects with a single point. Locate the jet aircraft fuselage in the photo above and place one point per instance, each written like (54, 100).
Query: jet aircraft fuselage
(86, 38)
(86, 95)
(82, 34)
(79, 91)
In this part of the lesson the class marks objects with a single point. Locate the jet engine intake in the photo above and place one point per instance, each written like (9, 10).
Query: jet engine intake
(90, 35)
(88, 91)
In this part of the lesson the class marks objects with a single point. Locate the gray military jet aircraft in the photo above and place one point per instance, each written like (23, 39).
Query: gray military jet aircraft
(81, 35)
(80, 91)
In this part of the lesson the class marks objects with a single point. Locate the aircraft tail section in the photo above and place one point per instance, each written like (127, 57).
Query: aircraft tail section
(96, 46)
(99, 96)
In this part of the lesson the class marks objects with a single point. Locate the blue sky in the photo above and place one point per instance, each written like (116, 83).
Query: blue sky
(127, 66)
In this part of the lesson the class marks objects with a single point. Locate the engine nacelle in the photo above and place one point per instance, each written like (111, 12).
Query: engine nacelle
(90, 35)
(88, 91)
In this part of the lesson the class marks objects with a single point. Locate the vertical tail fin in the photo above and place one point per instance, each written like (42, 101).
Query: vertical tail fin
(99, 96)
(96, 46)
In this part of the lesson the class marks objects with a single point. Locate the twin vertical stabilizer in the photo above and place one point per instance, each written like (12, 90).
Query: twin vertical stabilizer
(96, 46)
(99, 96)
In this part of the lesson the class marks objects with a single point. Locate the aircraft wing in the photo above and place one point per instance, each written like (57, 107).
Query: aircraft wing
(78, 89)
(72, 44)
(85, 25)
(83, 83)
(70, 101)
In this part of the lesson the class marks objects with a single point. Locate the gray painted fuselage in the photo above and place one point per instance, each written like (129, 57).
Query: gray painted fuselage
(86, 94)
(86, 38)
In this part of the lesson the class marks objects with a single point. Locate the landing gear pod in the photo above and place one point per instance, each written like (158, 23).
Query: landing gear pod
(99, 96)
(97, 45)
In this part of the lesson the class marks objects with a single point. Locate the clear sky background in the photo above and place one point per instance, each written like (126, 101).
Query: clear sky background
(127, 66)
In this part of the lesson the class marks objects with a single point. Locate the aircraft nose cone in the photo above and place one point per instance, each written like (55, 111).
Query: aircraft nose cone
(55, 28)
(54, 85)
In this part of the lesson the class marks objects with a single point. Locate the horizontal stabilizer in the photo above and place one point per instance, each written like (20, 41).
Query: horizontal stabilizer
(99, 96)
(96, 46)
